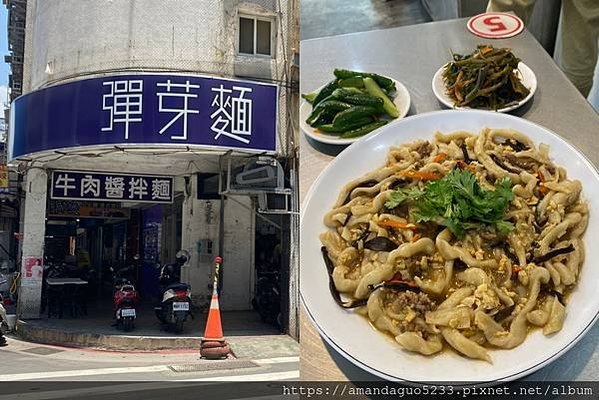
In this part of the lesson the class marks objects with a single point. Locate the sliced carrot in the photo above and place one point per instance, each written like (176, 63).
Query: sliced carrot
(440, 157)
(516, 269)
(462, 165)
(389, 223)
(485, 50)
(542, 188)
(422, 175)
(541, 177)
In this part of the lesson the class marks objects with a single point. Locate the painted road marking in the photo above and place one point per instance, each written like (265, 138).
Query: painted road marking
(80, 393)
(28, 376)
(273, 376)
(118, 370)
(277, 360)
(130, 389)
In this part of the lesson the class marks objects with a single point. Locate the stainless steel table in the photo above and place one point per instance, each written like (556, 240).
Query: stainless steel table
(66, 293)
(412, 55)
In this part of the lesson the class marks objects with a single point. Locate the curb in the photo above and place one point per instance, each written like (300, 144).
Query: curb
(32, 333)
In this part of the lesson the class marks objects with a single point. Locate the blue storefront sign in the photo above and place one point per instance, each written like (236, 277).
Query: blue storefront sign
(159, 110)
(81, 185)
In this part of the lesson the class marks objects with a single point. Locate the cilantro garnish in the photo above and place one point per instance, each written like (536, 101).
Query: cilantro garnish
(458, 202)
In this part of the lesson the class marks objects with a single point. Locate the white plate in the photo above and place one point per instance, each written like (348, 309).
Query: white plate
(353, 337)
(401, 100)
(528, 78)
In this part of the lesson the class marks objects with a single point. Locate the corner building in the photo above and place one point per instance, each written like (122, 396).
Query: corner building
(145, 127)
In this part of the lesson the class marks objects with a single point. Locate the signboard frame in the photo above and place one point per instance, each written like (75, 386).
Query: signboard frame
(142, 137)
(115, 200)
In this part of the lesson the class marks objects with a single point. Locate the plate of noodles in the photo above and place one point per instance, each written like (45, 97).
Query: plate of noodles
(451, 247)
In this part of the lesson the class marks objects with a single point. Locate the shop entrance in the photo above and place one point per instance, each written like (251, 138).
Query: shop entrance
(97, 241)
(103, 241)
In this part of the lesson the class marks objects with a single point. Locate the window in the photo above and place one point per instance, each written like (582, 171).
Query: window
(255, 36)
(208, 186)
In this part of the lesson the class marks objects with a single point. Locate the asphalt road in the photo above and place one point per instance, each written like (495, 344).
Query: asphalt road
(33, 371)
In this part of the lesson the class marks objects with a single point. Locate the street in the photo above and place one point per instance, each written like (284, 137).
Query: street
(95, 374)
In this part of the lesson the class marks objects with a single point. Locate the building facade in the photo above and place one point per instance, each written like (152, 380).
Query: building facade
(196, 98)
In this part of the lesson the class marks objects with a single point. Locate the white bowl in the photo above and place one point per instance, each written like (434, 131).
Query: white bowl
(401, 100)
(353, 337)
(528, 78)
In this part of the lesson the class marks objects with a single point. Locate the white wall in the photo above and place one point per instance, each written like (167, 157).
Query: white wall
(238, 258)
(201, 221)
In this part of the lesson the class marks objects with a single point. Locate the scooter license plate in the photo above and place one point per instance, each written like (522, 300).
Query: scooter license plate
(180, 306)
(128, 312)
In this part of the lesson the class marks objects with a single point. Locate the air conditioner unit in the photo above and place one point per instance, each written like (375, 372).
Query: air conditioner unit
(253, 175)
(273, 203)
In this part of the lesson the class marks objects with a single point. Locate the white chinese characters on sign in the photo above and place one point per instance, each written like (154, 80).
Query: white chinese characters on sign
(233, 115)
(182, 92)
(126, 105)
(114, 187)
(64, 183)
(89, 184)
(161, 189)
(138, 188)
(80, 185)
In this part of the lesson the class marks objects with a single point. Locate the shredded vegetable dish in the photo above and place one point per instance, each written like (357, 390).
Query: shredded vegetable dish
(467, 241)
(488, 78)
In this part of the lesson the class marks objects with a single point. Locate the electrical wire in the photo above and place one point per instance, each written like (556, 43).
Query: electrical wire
(15, 283)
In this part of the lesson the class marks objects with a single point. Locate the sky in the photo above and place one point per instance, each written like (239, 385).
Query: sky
(4, 67)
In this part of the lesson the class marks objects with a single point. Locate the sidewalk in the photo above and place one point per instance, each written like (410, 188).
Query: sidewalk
(31, 364)
(243, 329)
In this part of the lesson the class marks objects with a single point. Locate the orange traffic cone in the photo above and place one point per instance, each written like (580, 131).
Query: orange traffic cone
(213, 344)
(214, 328)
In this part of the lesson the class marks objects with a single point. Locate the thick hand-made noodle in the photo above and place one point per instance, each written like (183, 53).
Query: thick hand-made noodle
(481, 291)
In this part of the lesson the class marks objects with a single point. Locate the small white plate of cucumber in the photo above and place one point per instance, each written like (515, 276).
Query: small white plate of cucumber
(351, 106)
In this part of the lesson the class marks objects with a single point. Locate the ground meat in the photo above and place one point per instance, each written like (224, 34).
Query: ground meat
(527, 163)
(419, 302)
(407, 310)
(424, 149)
(502, 165)
(490, 238)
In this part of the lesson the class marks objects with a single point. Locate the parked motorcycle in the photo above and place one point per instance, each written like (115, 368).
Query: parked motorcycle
(267, 300)
(176, 304)
(125, 301)
(175, 307)
(3, 318)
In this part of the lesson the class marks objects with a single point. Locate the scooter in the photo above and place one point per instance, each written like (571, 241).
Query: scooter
(175, 306)
(3, 318)
(267, 301)
(125, 301)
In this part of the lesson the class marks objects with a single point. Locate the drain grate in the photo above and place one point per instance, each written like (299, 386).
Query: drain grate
(213, 365)
(42, 351)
